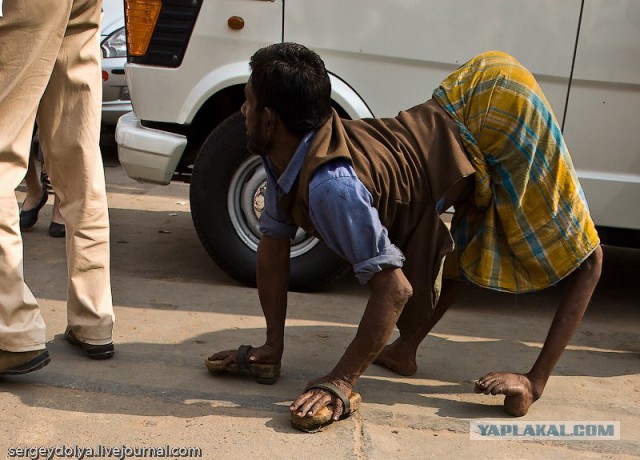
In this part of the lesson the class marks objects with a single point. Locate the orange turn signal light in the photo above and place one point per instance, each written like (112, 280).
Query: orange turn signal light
(141, 18)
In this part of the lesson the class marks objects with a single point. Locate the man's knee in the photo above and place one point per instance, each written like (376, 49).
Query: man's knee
(593, 264)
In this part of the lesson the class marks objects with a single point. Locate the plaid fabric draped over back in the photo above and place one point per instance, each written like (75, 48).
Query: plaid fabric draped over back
(528, 225)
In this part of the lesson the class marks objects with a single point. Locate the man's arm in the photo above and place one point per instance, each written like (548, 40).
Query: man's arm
(273, 284)
(390, 291)
(342, 211)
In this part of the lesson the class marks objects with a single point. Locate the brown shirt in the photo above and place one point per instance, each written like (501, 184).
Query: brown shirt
(407, 163)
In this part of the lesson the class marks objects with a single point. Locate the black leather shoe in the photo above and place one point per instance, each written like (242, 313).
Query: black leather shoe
(92, 351)
(29, 217)
(22, 362)
(57, 230)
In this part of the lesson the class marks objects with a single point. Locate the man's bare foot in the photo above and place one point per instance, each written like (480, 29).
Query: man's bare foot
(398, 358)
(516, 388)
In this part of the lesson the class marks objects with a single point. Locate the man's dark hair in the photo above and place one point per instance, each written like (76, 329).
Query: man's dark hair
(292, 80)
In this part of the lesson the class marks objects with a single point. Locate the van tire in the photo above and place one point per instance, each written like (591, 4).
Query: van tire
(223, 174)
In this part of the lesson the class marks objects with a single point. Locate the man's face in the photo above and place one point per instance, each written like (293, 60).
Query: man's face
(258, 141)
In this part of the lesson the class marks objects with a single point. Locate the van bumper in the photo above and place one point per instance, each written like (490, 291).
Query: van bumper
(148, 155)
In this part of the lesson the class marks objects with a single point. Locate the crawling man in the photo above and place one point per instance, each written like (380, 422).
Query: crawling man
(486, 144)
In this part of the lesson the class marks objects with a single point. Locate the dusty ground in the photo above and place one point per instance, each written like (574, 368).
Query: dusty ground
(174, 307)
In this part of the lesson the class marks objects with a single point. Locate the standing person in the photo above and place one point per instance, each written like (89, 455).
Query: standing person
(50, 71)
(487, 143)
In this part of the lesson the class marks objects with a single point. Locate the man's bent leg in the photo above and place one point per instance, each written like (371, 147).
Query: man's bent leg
(400, 356)
(424, 269)
(522, 390)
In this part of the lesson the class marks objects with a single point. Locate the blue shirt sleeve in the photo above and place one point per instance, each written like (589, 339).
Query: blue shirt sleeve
(341, 209)
(272, 221)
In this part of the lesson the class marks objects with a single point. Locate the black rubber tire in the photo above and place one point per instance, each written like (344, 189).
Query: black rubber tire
(222, 157)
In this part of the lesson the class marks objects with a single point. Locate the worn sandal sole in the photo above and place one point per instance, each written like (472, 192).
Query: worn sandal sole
(322, 418)
(267, 374)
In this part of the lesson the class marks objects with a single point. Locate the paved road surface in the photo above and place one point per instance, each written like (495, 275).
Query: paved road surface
(174, 307)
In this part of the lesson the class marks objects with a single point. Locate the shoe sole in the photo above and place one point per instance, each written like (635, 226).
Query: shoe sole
(100, 355)
(36, 363)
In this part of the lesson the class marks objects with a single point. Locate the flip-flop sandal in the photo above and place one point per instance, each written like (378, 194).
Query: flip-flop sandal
(324, 417)
(266, 374)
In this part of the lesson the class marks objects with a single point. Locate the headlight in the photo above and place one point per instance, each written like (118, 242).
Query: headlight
(115, 45)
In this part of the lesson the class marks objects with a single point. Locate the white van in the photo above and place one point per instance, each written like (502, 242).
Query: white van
(188, 63)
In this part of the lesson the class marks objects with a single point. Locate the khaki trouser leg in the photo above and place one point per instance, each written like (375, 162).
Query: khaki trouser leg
(26, 60)
(36, 50)
(69, 124)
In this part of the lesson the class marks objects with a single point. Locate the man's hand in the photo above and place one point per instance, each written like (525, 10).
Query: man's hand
(227, 357)
(264, 355)
(389, 292)
(314, 399)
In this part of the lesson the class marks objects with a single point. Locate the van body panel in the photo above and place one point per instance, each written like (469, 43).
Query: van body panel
(384, 57)
(167, 94)
(603, 113)
(403, 49)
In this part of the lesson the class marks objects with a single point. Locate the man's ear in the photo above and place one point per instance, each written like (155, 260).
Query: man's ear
(272, 120)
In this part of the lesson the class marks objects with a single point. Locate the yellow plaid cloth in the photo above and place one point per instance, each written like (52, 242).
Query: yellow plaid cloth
(529, 224)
